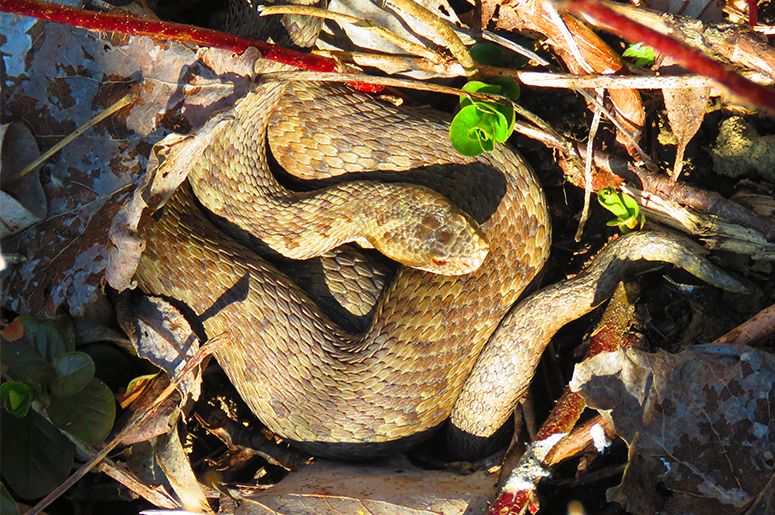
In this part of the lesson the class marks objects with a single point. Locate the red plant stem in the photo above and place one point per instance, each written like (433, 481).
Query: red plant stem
(134, 26)
(688, 57)
(753, 13)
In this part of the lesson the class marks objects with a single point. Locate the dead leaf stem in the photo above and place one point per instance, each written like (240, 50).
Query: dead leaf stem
(45, 156)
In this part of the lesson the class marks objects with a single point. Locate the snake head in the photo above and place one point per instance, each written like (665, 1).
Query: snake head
(425, 231)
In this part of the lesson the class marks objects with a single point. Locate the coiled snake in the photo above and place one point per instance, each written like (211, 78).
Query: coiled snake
(333, 392)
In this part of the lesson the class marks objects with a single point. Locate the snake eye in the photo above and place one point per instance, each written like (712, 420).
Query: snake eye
(439, 262)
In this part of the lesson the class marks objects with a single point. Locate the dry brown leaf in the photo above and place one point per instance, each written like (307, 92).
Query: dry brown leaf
(685, 111)
(173, 460)
(163, 336)
(23, 202)
(389, 487)
(533, 15)
(66, 255)
(700, 425)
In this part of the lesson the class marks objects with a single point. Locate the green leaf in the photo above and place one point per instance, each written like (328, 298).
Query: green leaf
(509, 87)
(36, 455)
(7, 505)
(488, 53)
(74, 370)
(491, 54)
(642, 55)
(475, 86)
(624, 207)
(16, 398)
(87, 415)
(501, 120)
(28, 350)
(460, 131)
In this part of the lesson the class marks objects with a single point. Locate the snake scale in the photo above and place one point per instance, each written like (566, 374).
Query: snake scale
(332, 392)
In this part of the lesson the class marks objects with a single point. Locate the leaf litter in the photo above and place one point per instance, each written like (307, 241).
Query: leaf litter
(70, 253)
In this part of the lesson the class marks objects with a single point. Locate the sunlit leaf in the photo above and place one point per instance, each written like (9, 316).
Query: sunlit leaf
(624, 207)
(642, 55)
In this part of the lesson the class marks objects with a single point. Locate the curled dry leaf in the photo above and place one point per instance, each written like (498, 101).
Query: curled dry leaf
(698, 423)
(173, 460)
(66, 255)
(350, 37)
(163, 336)
(390, 487)
(22, 202)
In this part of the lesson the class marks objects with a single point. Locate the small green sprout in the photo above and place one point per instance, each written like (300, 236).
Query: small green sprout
(16, 397)
(628, 215)
(479, 125)
(642, 55)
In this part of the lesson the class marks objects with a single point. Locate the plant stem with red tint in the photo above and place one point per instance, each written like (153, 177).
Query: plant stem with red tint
(134, 26)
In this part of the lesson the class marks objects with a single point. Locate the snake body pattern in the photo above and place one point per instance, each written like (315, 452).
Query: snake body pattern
(332, 392)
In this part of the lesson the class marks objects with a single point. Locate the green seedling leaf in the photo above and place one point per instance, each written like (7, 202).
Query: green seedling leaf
(491, 54)
(7, 505)
(509, 87)
(74, 370)
(29, 345)
(16, 398)
(642, 55)
(466, 133)
(476, 86)
(479, 125)
(88, 415)
(36, 455)
(488, 53)
(624, 207)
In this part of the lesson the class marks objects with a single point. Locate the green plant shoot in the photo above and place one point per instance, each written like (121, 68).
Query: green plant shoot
(17, 398)
(479, 125)
(624, 207)
(642, 55)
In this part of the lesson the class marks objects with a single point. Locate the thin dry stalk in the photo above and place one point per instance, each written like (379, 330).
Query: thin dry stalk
(588, 163)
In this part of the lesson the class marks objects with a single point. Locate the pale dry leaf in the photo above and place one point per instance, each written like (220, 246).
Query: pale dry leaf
(685, 111)
(173, 460)
(380, 488)
(350, 38)
(700, 425)
(162, 335)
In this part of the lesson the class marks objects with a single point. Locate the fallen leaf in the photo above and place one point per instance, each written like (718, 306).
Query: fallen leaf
(65, 256)
(162, 335)
(686, 109)
(388, 487)
(173, 460)
(22, 202)
(699, 424)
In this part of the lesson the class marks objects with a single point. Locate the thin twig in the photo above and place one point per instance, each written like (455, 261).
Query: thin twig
(45, 156)
(341, 18)
(514, 47)
(212, 345)
(588, 162)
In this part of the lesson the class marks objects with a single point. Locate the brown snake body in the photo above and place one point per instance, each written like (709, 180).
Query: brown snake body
(330, 391)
